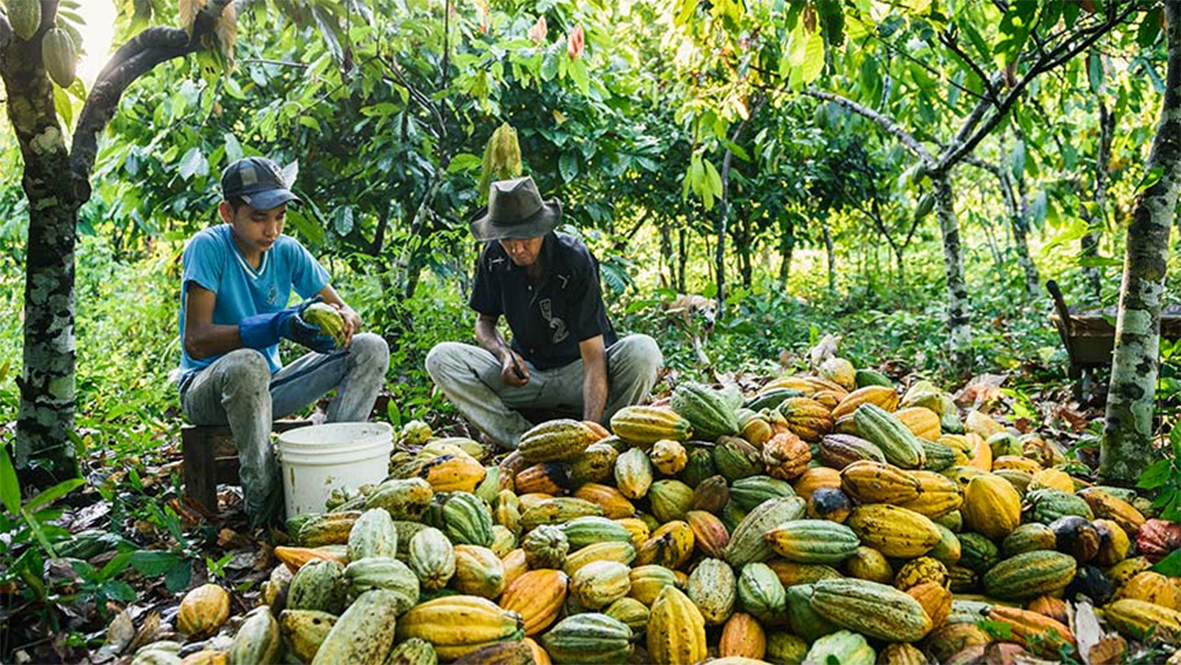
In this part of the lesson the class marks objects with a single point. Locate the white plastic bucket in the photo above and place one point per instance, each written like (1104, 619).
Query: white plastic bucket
(320, 458)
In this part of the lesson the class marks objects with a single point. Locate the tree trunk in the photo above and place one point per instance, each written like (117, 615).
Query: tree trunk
(1127, 433)
(830, 254)
(1090, 242)
(744, 248)
(787, 243)
(666, 256)
(46, 417)
(1020, 223)
(959, 330)
(682, 259)
(723, 223)
(57, 183)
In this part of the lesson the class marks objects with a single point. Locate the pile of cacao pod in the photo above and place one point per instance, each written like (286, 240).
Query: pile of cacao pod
(828, 518)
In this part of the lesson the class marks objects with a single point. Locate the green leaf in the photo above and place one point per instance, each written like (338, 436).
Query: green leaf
(120, 591)
(10, 490)
(1169, 566)
(193, 163)
(713, 178)
(464, 161)
(1099, 262)
(1150, 178)
(1095, 72)
(1014, 30)
(310, 122)
(813, 63)
(1175, 434)
(568, 166)
(342, 220)
(1156, 475)
(178, 577)
(233, 148)
(154, 562)
(115, 566)
(54, 493)
(1149, 30)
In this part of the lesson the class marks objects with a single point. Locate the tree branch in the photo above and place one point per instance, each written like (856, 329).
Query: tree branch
(882, 121)
(953, 46)
(928, 68)
(137, 57)
(965, 144)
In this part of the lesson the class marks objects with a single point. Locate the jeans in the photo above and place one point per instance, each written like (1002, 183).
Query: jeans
(470, 377)
(238, 390)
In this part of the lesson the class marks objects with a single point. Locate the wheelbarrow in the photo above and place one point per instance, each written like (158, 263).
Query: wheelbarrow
(1089, 338)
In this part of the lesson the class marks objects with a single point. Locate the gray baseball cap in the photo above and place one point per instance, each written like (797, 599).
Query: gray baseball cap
(258, 181)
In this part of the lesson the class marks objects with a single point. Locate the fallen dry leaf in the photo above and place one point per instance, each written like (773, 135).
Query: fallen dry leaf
(149, 630)
(1087, 632)
(981, 390)
(1109, 650)
(120, 632)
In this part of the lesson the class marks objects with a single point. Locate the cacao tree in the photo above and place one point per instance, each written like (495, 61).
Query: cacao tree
(56, 180)
(1127, 434)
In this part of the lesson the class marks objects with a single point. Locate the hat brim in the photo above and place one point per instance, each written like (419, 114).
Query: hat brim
(536, 225)
(271, 198)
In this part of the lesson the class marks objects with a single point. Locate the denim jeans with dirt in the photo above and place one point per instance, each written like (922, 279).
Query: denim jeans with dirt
(470, 377)
(239, 390)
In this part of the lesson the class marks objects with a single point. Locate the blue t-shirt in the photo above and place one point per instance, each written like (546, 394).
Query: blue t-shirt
(212, 261)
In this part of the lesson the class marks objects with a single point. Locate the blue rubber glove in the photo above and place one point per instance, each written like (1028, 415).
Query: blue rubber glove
(263, 330)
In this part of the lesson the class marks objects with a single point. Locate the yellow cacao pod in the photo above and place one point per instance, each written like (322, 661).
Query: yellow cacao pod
(203, 610)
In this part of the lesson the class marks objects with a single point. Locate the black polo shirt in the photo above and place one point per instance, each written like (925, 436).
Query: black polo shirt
(551, 317)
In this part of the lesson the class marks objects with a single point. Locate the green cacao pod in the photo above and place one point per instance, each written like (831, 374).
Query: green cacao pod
(761, 593)
(872, 609)
(706, 410)
(880, 427)
(747, 543)
(25, 17)
(583, 531)
(467, 520)
(670, 500)
(319, 585)
(590, 638)
(844, 647)
(1029, 575)
(746, 493)
(384, 573)
(432, 558)
(258, 639)
(373, 535)
(713, 589)
(364, 633)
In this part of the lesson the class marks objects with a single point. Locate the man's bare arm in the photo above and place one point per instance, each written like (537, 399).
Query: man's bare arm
(594, 378)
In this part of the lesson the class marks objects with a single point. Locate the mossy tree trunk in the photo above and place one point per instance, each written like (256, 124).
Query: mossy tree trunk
(1127, 434)
(959, 327)
(56, 181)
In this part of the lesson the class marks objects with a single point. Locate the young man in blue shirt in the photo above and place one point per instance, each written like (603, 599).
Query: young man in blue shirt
(238, 279)
(564, 354)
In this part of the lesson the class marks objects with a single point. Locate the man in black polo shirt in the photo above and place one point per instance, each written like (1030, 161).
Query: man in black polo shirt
(564, 354)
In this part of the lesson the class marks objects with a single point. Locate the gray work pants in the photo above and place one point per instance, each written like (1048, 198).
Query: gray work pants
(238, 390)
(470, 377)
